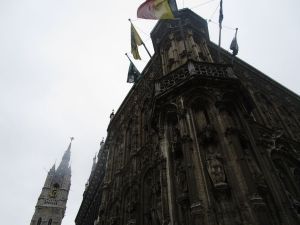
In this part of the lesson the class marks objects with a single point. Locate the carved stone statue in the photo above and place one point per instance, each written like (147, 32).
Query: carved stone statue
(216, 171)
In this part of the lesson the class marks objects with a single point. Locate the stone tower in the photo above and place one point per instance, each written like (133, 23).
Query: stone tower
(198, 140)
(51, 205)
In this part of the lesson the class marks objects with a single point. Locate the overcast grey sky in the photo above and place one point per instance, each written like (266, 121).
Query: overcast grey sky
(63, 69)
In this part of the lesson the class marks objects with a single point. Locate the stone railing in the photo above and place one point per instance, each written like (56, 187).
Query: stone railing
(193, 69)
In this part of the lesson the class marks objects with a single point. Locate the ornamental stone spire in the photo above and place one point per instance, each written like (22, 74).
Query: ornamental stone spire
(51, 204)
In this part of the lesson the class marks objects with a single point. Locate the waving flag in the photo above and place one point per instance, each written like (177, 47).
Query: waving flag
(234, 45)
(133, 74)
(135, 42)
(155, 10)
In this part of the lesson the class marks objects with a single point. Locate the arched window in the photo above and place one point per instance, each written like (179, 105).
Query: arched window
(39, 221)
(50, 222)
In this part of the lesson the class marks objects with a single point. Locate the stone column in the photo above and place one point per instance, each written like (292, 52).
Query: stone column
(251, 204)
(192, 203)
(165, 148)
(201, 200)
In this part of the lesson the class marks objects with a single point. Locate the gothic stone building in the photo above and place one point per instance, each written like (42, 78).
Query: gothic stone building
(51, 206)
(198, 141)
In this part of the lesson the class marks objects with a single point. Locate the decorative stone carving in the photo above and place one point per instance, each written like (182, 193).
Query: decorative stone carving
(193, 142)
(216, 171)
(199, 70)
(270, 141)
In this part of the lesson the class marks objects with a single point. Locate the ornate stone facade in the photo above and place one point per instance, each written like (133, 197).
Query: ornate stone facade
(51, 206)
(198, 142)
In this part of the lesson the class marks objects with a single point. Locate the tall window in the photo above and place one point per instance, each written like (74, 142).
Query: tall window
(39, 221)
(50, 222)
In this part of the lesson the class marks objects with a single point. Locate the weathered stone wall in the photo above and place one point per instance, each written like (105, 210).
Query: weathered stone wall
(198, 142)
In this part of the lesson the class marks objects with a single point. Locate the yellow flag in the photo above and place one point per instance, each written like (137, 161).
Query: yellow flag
(135, 42)
(155, 10)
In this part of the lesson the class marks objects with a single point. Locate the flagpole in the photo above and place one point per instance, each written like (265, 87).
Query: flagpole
(129, 58)
(143, 44)
(219, 49)
(220, 30)
(147, 50)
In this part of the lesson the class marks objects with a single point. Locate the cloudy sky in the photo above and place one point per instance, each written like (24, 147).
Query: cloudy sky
(63, 69)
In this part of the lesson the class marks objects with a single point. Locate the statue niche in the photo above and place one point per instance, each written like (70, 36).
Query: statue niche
(216, 171)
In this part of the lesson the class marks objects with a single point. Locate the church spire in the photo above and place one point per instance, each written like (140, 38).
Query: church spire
(51, 205)
(66, 157)
(67, 154)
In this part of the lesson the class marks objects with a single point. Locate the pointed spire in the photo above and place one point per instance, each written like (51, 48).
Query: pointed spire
(66, 157)
(67, 154)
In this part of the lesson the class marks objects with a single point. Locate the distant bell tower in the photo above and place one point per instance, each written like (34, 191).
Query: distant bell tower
(51, 205)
